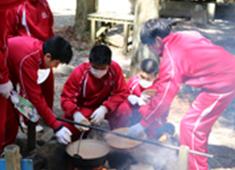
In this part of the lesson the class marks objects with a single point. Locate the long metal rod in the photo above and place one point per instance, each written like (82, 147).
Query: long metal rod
(134, 138)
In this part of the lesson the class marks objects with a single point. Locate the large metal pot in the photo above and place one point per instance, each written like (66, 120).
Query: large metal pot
(92, 153)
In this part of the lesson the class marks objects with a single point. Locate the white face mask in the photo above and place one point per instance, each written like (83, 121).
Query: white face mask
(98, 73)
(145, 84)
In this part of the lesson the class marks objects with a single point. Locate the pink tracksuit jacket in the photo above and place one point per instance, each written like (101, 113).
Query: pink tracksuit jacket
(135, 88)
(189, 58)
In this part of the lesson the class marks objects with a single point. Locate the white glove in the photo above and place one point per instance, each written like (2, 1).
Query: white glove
(14, 97)
(5, 89)
(133, 99)
(62, 136)
(78, 117)
(98, 115)
(136, 130)
(141, 101)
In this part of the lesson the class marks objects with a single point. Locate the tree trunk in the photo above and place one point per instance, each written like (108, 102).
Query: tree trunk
(144, 10)
(84, 7)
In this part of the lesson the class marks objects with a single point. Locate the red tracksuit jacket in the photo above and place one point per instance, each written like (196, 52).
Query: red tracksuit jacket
(7, 4)
(4, 6)
(24, 59)
(83, 89)
(134, 86)
(32, 18)
(189, 58)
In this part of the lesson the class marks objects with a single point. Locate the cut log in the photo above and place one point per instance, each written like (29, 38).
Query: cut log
(12, 157)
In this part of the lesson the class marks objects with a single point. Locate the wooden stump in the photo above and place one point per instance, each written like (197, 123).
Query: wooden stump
(12, 157)
(199, 16)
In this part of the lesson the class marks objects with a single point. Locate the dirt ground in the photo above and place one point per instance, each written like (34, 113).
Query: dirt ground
(221, 32)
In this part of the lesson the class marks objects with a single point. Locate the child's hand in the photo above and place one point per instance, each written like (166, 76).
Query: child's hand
(78, 117)
(136, 130)
(63, 135)
(146, 98)
(133, 99)
(141, 102)
(98, 115)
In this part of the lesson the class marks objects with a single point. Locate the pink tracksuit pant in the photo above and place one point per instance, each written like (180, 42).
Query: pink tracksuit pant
(197, 123)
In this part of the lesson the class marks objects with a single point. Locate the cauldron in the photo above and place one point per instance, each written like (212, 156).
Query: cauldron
(92, 154)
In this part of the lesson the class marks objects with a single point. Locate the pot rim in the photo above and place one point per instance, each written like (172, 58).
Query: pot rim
(99, 142)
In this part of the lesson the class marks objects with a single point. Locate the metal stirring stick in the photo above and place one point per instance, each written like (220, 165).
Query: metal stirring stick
(76, 155)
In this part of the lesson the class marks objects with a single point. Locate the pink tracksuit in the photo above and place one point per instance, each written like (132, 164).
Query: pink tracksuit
(4, 6)
(32, 19)
(83, 92)
(189, 58)
(24, 59)
(135, 88)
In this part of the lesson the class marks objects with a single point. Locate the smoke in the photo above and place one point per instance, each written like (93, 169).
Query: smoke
(159, 157)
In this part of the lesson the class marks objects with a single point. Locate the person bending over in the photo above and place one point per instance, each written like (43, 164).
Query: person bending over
(93, 92)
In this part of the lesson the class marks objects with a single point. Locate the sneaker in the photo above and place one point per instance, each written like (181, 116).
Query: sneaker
(167, 128)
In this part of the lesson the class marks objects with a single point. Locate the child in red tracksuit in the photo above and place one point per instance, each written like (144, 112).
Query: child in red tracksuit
(189, 58)
(136, 85)
(5, 82)
(26, 56)
(32, 19)
(93, 92)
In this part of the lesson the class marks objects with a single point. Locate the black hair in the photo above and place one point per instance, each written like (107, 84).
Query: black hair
(59, 48)
(100, 55)
(153, 28)
(149, 66)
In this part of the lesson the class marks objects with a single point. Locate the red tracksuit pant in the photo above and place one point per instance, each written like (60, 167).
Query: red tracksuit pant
(197, 123)
(116, 119)
(12, 126)
(3, 112)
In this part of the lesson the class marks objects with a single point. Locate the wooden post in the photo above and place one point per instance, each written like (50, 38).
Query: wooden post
(183, 157)
(12, 157)
(211, 7)
(126, 35)
(31, 141)
(93, 31)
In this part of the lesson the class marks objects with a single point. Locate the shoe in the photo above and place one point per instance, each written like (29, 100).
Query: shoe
(39, 128)
(167, 128)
